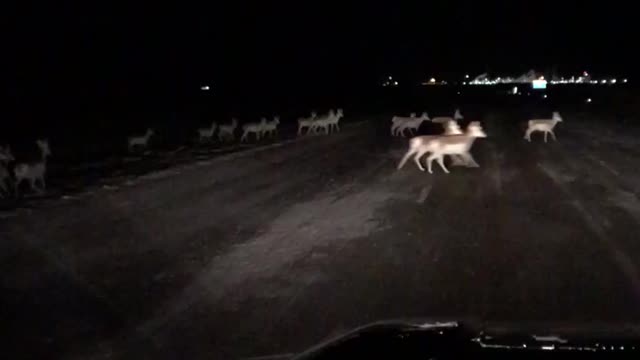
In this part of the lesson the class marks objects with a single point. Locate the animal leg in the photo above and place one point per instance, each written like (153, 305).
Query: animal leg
(429, 161)
(527, 135)
(419, 155)
(457, 160)
(470, 161)
(545, 136)
(441, 162)
(553, 135)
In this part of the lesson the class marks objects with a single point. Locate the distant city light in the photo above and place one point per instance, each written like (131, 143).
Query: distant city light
(540, 78)
(584, 73)
(603, 81)
(539, 84)
(390, 78)
(458, 92)
(464, 83)
(613, 81)
(466, 76)
(205, 88)
(588, 100)
(624, 81)
(544, 96)
(514, 90)
(432, 80)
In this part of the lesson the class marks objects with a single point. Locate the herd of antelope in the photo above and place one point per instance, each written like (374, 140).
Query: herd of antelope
(34, 172)
(453, 141)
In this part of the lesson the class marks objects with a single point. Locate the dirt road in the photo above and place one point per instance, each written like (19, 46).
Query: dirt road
(272, 251)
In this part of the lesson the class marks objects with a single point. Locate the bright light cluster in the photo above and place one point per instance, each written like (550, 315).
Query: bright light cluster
(390, 82)
(530, 77)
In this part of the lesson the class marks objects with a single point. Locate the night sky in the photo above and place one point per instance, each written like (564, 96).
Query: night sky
(109, 49)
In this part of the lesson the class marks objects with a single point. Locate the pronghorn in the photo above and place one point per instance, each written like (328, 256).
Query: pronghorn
(445, 119)
(140, 140)
(454, 145)
(544, 125)
(271, 127)
(411, 124)
(207, 133)
(416, 144)
(6, 157)
(33, 171)
(255, 128)
(306, 123)
(324, 121)
(334, 122)
(227, 130)
(397, 120)
(439, 146)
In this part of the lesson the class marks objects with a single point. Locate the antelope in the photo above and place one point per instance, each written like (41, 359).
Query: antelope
(412, 124)
(334, 122)
(324, 122)
(140, 140)
(306, 123)
(207, 133)
(416, 144)
(452, 145)
(255, 128)
(5, 158)
(34, 171)
(227, 130)
(271, 127)
(397, 120)
(544, 125)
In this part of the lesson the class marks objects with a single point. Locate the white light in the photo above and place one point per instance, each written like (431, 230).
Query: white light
(541, 78)
(624, 81)
(613, 81)
(458, 92)
(390, 78)
(466, 76)
(544, 96)
(514, 90)
(603, 81)
(395, 83)
(588, 100)
(432, 80)
(464, 83)
(204, 88)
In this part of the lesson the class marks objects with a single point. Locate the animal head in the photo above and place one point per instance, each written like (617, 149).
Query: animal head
(276, 119)
(412, 115)
(425, 116)
(556, 116)
(6, 155)
(314, 115)
(149, 132)
(474, 129)
(340, 113)
(44, 147)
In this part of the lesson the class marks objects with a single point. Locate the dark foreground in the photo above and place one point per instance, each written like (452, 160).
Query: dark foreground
(273, 251)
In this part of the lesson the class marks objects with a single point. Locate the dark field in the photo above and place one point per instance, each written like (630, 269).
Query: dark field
(270, 251)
